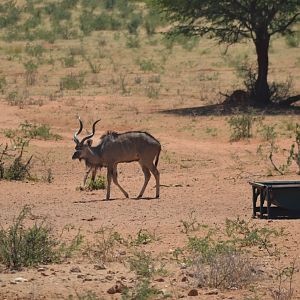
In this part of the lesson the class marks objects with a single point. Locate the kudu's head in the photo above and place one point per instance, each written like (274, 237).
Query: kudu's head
(82, 148)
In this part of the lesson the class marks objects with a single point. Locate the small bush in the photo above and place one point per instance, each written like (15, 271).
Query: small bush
(28, 131)
(134, 23)
(143, 237)
(267, 132)
(132, 41)
(31, 72)
(241, 126)
(104, 248)
(98, 184)
(27, 246)
(35, 50)
(147, 65)
(142, 291)
(69, 61)
(72, 82)
(95, 67)
(2, 84)
(12, 165)
(142, 264)
(152, 92)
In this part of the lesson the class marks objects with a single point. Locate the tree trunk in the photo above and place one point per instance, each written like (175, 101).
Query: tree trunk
(262, 92)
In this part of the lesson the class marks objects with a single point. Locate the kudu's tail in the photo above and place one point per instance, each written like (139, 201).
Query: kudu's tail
(157, 157)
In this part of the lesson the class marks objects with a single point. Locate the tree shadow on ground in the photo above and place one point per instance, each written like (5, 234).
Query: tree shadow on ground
(227, 109)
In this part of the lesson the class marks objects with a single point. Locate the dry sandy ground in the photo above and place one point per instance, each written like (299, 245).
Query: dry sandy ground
(208, 176)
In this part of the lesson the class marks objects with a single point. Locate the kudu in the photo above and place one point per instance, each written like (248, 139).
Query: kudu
(117, 148)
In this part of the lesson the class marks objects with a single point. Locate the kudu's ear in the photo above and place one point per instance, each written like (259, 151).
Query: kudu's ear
(89, 142)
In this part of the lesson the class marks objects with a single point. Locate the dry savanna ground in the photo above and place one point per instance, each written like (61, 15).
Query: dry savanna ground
(198, 239)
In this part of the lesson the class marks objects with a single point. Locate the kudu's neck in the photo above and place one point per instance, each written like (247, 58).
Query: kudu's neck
(94, 155)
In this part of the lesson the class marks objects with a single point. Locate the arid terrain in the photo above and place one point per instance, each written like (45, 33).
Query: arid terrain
(172, 93)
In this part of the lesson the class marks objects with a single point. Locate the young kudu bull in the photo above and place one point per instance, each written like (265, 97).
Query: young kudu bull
(117, 148)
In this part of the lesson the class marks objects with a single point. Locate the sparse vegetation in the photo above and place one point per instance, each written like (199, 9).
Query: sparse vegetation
(28, 246)
(72, 82)
(241, 126)
(112, 60)
(98, 184)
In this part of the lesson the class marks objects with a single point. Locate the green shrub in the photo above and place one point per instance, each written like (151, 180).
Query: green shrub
(152, 92)
(35, 50)
(98, 184)
(2, 84)
(241, 126)
(69, 61)
(105, 245)
(142, 264)
(27, 246)
(134, 23)
(132, 41)
(30, 72)
(72, 82)
(142, 291)
(146, 65)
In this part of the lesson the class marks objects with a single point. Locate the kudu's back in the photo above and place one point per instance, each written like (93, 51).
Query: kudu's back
(129, 146)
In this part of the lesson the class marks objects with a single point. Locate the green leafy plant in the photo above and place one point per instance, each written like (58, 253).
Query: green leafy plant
(72, 82)
(105, 246)
(30, 72)
(98, 184)
(27, 246)
(141, 291)
(241, 126)
(142, 264)
(191, 224)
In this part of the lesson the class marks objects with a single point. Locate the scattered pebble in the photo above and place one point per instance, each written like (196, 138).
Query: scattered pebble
(117, 288)
(211, 292)
(193, 293)
(75, 270)
(100, 267)
(18, 280)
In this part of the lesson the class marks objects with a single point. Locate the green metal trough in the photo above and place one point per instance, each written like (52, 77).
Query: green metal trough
(283, 194)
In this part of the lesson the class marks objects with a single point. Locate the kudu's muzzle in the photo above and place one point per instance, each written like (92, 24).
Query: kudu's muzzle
(76, 155)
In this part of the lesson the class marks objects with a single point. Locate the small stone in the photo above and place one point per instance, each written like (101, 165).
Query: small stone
(100, 267)
(109, 277)
(117, 288)
(18, 280)
(41, 269)
(87, 279)
(75, 270)
(80, 276)
(159, 280)
(183, 266)
(184, 279)
(122, 252)
(45, 274)
(211, 292)
(193, 293)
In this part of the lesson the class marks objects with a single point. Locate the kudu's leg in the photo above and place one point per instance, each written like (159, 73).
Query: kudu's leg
(115, 179)
(86, 176)
(94, 174)
(147, 175)
(156, 174)
(109, 176)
